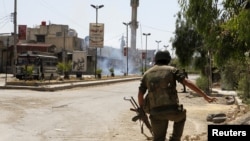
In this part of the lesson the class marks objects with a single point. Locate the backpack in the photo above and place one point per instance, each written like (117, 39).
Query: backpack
(161, 84)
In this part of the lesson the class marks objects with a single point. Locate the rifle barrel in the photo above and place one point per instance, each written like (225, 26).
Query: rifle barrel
(134, 102)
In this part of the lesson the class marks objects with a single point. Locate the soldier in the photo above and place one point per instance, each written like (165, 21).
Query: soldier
(162, 102)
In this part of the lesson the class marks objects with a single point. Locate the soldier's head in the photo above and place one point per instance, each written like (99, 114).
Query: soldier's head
(162, 57)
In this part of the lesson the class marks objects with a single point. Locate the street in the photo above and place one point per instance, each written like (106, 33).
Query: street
(97, 113)
(78, 114)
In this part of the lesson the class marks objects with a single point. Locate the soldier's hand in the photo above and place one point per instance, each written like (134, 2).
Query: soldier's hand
(210, 99)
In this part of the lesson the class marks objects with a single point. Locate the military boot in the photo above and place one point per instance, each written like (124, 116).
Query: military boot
(174, 139)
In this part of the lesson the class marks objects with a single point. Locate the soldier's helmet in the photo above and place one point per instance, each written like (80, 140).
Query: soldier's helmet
(162, 55)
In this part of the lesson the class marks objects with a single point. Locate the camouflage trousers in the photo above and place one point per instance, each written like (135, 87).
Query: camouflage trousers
(160, 125)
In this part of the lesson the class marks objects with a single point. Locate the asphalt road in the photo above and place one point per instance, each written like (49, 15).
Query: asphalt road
(97, 113)
(77, 114)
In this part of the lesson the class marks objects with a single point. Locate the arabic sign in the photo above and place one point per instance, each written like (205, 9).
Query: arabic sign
(79, 63)
(96, 35)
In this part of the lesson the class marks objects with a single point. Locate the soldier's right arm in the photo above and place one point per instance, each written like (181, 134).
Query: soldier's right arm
(195, 88)
(140, 98)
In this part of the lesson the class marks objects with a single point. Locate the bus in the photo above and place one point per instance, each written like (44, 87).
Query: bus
(36, 65)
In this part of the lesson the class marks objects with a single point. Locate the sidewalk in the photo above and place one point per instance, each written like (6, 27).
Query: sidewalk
(224, 92)
(218, 91)
(60, 85)
(5, 77)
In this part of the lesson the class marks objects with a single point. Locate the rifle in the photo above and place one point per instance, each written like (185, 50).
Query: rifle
(141, 115)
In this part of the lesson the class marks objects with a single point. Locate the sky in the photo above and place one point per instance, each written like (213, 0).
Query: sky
(154, 17)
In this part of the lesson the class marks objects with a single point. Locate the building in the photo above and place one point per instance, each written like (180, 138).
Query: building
(64, 38)
(6, 40)
(62, 41)
(54, 38)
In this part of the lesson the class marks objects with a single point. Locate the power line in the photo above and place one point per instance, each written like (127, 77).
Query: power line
(158, 29)
(2, 25)
(5, 17)
(114, 37)
(4, 21)
(53, 8)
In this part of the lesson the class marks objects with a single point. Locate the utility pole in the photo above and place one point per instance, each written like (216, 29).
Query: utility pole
(96, 21)
(15, 39)
(127, 24)
(146, 34)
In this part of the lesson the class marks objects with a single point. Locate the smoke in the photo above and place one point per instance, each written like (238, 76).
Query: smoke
(110, 57)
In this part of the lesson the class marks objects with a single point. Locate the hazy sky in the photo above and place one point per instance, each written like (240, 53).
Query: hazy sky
(155, 17)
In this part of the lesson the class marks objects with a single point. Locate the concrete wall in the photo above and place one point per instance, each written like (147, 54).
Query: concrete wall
(59, 35)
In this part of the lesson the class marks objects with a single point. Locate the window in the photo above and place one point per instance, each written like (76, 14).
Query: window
(40, 38)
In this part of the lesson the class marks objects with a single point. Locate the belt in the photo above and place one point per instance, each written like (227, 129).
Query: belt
(166, 108)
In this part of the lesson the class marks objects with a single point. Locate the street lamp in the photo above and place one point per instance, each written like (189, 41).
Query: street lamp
(96, 8)
(15, 37)
(166, 46)
(157, 44)
(146, 34)
(127, 24)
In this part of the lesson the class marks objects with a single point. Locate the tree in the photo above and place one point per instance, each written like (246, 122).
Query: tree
(225, 36)
(186, 42)
(65, 68)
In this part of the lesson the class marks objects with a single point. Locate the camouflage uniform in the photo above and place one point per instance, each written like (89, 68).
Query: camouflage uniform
(162, 102)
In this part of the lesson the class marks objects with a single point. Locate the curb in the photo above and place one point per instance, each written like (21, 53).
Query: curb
(70, 85)
(224, 92)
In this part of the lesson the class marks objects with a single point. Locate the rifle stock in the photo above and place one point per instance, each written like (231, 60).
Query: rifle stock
(141, 115)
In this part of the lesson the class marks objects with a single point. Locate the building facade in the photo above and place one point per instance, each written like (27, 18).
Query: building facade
(54, 38)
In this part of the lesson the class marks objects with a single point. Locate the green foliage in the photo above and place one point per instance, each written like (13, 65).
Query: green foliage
(244, 82)
(64, 67)
(229, 77)
(223, 33)
(99, 71)
(244, 87)
(141, 69)
(202, 83)
(202, 14)
(236, 25)
(246, 101)
(233, 40)
(226, 48)
(231, 8)
(244, 31)
(200, 62)
(30, 70)
(186, 41)
(197, 32)
(111, 70)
